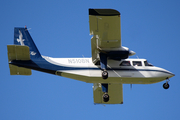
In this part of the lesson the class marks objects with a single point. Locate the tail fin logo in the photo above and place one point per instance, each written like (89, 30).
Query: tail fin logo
(20, 39)
(23, 38)
(33, 53)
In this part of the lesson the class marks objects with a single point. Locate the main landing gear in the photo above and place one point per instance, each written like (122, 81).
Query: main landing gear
(166, 85)
(104, 74)
(105, 90)
(103, 62)
(105, 97)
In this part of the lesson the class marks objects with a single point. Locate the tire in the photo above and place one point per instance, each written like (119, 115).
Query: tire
(104, 74)
(165, 85)
(105, 97)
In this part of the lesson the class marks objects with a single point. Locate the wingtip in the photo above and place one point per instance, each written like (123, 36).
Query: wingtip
(103, 12)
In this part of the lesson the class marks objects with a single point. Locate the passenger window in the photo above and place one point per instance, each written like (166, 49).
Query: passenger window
(137, 63)
(125, 63)
(147, 64)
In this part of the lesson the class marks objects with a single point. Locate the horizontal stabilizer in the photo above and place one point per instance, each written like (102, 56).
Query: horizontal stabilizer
(18, 52)
(15, 70)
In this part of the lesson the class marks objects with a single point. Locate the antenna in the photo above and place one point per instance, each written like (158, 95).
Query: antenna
(104, 105)
(29, 29)
(26, 28)
(137, 56)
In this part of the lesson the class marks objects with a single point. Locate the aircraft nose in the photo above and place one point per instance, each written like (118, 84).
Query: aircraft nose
(170, 74)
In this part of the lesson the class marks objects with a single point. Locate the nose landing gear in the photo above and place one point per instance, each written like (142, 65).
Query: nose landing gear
(166, 85)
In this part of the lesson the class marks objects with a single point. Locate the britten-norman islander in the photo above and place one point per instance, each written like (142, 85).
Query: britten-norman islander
(108, 68)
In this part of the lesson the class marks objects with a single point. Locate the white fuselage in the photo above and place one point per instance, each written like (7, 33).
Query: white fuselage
(84, 70)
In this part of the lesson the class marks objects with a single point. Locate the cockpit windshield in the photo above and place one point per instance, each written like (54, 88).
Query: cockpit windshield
(147, 64)
(125, 63)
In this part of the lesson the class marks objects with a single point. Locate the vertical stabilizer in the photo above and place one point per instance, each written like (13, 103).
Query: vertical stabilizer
(23, 38)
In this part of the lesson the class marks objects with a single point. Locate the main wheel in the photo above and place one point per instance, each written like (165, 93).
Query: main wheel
(105, 97)
(104, 74)
(165, 85)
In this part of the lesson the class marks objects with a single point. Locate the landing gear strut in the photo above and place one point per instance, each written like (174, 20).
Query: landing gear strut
(166, 85)
(103, 62)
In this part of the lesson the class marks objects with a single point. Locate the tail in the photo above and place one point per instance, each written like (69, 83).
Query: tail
(23, 38)
(22, 52)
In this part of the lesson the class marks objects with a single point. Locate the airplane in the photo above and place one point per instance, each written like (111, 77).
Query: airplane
(108, 69)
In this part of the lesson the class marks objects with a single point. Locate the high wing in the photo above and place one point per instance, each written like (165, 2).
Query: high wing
(106, 41)
(106, 44)
(105, 28)
(115, 92)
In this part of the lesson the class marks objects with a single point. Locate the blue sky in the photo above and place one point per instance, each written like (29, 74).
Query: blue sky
(61, 29)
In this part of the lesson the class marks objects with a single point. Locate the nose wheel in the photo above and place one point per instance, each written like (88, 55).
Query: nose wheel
(166, 85)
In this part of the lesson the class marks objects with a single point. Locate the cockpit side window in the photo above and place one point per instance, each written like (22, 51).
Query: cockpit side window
(137, 63)
(147, 64)
(125, 63)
